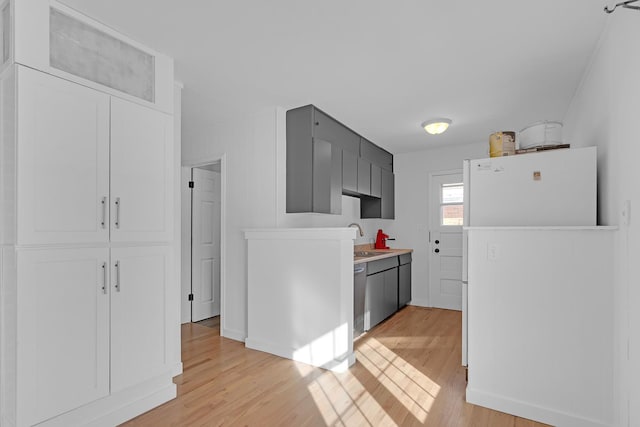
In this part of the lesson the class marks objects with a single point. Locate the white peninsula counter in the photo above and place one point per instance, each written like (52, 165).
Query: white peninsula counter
(300, 294)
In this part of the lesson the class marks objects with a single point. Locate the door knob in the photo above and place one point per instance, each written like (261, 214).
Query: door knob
(437, 250)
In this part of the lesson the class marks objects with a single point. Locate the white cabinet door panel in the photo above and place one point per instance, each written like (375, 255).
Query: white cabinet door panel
(139, 320)
(141, 173)
(63, 161)
(63, 325)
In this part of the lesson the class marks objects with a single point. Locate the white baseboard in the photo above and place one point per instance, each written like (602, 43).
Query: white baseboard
(530, 411)
(338, 364)
(420, 302)
(233, 334)
(119, 407)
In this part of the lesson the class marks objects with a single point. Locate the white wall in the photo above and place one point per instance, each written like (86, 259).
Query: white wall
(606, 112)
(412, 204)
(254, 185)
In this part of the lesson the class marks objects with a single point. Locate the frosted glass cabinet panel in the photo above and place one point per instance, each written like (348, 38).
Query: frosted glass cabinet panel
(85, 51)
(63, 161)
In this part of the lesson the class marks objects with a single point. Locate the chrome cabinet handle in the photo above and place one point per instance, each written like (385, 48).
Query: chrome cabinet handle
(118, 276)
(104, 278)
(117, 222)
(104, 212)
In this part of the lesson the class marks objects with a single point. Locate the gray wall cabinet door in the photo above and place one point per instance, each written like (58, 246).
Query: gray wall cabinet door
(376, 155)
(329, 129)
(376, 181)
(404, 285)
(349, 171)
(299, 160)
(327, 177)
(364, 176)
(388, 195)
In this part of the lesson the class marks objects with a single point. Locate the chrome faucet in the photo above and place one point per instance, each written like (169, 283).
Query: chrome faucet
(359, 228)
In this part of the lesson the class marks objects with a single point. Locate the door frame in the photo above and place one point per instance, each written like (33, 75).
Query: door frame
(432, 220)
(185, 203)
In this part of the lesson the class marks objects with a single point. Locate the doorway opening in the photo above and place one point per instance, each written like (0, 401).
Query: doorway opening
(203, 243)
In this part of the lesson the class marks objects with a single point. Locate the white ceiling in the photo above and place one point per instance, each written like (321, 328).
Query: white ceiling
(381, 67)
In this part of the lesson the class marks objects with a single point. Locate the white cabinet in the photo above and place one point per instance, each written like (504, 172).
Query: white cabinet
(141, 173)
(63, 161)
(139, 321)
(91, 168)
(91, 327)
(63, 330)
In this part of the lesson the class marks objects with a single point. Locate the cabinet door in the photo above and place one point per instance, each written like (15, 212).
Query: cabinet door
(376, 181)
(390, 292)
(404, 285)
(327, 177)
(374, 301)
(388, 195)
(140, 279)
(63, 161)
(349, 171)
(329, 129)
(364, 176)
(141, 173)
(63, 330)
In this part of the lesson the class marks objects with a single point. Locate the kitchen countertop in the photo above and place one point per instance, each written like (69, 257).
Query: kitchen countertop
(384, 253)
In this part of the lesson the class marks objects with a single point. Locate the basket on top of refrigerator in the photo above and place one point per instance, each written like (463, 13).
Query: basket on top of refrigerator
(541, 134)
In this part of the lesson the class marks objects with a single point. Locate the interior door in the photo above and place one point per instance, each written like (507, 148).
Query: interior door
(205, 262)
(445, 259)
(63, 325)
(141, 173)
(63, 161)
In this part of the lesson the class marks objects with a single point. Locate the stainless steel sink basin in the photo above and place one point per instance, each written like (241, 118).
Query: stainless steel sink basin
(365, 254)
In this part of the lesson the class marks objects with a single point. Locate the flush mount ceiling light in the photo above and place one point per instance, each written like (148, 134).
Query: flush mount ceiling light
(436, 126)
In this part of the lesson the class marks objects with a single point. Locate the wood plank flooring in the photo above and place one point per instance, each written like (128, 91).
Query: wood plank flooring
(407, 373)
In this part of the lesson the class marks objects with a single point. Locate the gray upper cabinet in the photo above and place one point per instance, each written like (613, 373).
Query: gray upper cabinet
(364, 176)
(388, 195)
(376, 155)
(326, 159)
(349, 172)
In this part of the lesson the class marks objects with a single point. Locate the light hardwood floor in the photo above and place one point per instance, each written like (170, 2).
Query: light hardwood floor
(407, 373)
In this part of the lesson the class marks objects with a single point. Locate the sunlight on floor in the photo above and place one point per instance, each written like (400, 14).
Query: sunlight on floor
(342, 399)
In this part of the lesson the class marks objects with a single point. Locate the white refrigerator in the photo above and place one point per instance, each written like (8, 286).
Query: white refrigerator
(547, 188)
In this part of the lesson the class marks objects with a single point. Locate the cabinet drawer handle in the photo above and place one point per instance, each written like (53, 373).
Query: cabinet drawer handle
(118, 276)
(104, 278)
(104, 212)
(117, 221)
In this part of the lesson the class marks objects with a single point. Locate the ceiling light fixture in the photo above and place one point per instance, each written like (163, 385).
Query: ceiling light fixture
(436, 126)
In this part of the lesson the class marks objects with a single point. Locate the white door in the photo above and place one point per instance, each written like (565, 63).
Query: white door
(63, 325)
(63, 161)
(445, 259)
(139, 320)
(205, 243)
(141, 173)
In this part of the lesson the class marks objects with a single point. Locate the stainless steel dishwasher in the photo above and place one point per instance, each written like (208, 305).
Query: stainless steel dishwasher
(359, 288)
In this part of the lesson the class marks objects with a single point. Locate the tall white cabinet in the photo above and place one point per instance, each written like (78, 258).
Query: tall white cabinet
(89, 312)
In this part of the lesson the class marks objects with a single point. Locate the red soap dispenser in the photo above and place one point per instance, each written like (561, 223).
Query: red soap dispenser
(381, 240)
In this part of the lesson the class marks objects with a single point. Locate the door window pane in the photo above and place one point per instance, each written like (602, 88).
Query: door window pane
(451, 214)
(452, 193)
(451, 207)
